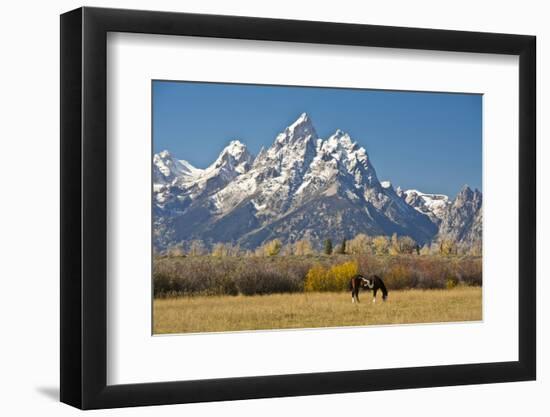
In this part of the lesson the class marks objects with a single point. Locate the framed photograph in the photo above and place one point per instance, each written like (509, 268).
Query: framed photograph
(258, 208)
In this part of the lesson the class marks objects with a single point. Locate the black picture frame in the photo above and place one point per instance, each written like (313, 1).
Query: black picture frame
(84, 207)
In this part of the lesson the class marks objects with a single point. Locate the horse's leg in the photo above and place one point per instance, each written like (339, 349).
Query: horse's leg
(374, 291)
(357, 295)
(353, 296)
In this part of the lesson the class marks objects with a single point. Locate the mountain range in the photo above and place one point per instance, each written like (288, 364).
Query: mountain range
(301, 187)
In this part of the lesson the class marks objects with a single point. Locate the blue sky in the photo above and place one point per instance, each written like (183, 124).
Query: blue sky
(428, 141)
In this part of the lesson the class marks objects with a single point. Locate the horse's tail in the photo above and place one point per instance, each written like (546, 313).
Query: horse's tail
(383, 288)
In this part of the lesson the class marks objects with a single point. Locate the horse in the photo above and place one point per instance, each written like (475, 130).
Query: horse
(370, 282)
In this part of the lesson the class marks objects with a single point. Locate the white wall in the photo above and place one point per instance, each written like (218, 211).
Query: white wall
(29, 267)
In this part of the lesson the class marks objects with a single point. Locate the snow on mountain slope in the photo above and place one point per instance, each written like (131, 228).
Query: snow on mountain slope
(302, 186)
(166, 168)
(275, 174)
(177, 181)
(433, 205)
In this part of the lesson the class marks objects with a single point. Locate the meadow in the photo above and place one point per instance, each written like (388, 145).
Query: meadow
(186, 314)
(229, 293)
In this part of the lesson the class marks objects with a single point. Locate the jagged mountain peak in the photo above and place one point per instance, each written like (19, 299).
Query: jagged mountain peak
(303, 119)
(235, 148)
(301, 129)
(466, 195)
(433, 205)
(466, 191)
(234, 156)
(165, 154)
(341, 147)
(339, 140)
(300, 186)
(463, 220)
(166, 168)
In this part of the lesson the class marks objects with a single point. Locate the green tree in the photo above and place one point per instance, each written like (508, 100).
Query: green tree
(342, 248)
(328, 247)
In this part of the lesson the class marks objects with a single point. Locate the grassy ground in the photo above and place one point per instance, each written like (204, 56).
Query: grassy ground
(306, 310)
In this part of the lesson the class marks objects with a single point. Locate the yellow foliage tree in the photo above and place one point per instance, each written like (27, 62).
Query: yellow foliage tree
(315, 279)
(303, 247)
(273, 247)
(360, 244)
(447, 247)
(334, 279)
(381, 245)
(219, 250)
(339, 275)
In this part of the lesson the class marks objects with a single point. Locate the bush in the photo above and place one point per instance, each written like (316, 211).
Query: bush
(398, 277)
(249, 275)
(336, 278)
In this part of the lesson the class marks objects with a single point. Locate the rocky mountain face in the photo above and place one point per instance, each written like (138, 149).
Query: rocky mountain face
(463, 220)
(434, 206)
(303, 186)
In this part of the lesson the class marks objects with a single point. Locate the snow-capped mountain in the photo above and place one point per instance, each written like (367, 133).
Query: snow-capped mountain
(302, 186)
(176, 183)
(463, 220)
(166, 169)
(433, 205)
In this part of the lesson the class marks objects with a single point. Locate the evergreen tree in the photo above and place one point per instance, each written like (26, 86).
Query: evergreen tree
(342, 249)
(328, 247)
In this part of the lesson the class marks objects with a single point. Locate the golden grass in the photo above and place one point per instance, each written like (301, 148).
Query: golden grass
(306, 310)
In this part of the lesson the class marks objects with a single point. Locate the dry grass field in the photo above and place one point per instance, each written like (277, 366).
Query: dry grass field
(307, 310)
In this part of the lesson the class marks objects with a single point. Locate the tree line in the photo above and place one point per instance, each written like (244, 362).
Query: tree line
(361, 244)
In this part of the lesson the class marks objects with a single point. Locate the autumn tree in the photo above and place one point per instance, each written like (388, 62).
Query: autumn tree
(407, 245)
(381, 245)
(175, 250)
(225, 249)
(447, 247)
(426, 250)
(394, 245)
(219, 250)
(303, 247)
(360, 244)
(197, 248)
(273, 247)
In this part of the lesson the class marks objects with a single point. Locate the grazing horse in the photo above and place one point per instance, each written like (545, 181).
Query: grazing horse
(371, 282)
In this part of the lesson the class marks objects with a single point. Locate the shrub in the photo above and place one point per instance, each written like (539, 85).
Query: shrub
(340, 275)
(315, 279)
(398, 277)
(451, 282)
(336, 278)
(232, 275)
